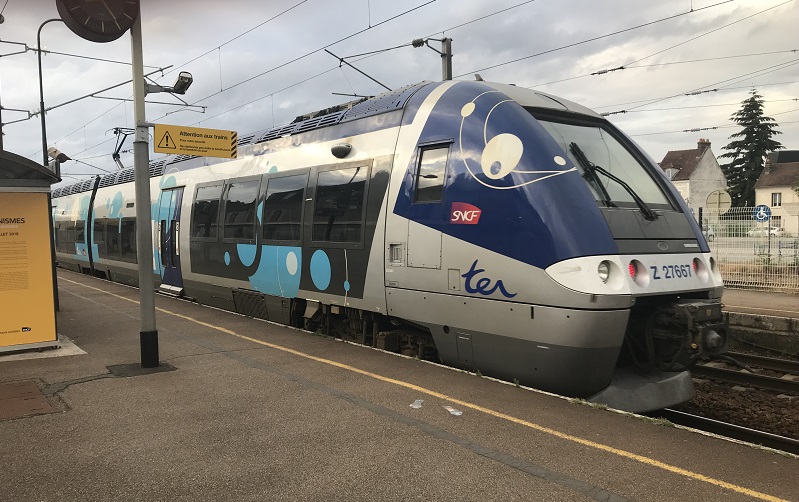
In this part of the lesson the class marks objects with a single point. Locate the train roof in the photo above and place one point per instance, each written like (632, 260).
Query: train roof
(339, 114)
(536, 99)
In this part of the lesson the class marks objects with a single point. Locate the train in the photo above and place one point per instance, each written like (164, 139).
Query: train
(486, 226)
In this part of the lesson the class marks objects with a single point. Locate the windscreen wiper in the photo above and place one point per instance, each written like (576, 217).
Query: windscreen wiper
(588, 166)
(589, 174)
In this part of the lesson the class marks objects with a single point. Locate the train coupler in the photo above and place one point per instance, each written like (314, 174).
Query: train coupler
(686, 331)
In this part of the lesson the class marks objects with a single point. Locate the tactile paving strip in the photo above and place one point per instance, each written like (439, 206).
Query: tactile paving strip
(22, 399)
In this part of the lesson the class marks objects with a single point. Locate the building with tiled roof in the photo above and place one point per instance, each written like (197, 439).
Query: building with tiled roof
(695, 174)
(774, 188)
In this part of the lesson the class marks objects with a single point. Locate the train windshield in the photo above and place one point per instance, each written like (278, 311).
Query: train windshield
(614, 175)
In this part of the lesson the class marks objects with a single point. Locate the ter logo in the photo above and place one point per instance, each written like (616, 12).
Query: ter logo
(464, 214)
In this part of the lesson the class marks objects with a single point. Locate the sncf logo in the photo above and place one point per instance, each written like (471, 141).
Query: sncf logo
(464, 214)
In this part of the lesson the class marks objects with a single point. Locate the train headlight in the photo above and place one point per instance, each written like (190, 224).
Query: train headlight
(603, 270)
(633, 270)
(700, 270)
(638, 273)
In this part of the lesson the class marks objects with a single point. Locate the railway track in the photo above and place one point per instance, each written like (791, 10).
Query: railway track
(751, 378)
(769, 363)
(725, 429)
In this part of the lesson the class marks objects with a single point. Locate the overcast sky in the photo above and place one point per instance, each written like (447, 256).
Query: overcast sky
(251, 73)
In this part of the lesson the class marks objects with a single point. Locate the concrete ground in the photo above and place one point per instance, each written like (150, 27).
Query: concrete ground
(243, 409)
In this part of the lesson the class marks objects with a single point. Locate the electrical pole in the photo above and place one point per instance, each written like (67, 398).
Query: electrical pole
(446, 58)
(148, 335)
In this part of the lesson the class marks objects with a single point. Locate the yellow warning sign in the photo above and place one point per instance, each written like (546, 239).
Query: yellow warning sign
(196, 141)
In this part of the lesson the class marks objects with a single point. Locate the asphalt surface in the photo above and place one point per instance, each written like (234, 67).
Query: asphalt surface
(242, 409)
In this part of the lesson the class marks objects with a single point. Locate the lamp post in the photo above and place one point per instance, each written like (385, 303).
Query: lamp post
(45, 158)
(41, 90)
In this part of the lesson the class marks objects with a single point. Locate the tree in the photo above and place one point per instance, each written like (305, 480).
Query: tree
(748, 149)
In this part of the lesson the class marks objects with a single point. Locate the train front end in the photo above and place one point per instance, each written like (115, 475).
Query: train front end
(590, 276)
(662, 263)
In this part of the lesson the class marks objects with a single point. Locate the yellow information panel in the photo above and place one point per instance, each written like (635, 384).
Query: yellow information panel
(26, 270)
(195, 141)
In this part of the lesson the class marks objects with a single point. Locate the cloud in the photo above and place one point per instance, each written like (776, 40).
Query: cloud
(180, 31)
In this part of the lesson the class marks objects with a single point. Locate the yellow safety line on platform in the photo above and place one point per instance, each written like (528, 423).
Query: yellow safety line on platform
(592, 444)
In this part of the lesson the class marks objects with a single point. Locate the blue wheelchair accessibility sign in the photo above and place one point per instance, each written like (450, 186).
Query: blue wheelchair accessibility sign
(761, 213)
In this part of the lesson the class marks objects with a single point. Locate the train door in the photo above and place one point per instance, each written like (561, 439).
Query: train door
(426, 211)
(169, 239)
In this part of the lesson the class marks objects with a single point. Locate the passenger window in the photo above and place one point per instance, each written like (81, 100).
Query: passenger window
(283, 208)
(79, 235)
(112, 238)
(430, 174)
(70, 237)
(205, 213)
(127, 239)
(99, 236)
(339, 207)
(61, 236)
(241, 198)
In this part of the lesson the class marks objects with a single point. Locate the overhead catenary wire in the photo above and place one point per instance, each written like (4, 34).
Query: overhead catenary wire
(245, 32)
(696, 129)
(631, 63)
(481, 18)
(363, 56)
(190, 61)
(761, 71)
(298, 58)
(593, 39)
(716, 105)
(289, 62)
(726, 89)
(707, 33)
(272, 93)
(668, 63)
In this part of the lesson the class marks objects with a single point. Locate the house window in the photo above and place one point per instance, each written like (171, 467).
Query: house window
(776, 199)
(670, 173)
(776, 221)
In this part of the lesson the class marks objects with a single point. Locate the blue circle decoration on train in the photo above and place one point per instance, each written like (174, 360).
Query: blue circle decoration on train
(227, 258)
(320, 270)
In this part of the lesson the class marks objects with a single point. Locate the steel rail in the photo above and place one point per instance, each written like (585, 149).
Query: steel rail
(746, 378)
(733, 431)
(769, 363)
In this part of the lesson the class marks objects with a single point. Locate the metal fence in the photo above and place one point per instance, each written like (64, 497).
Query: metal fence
(755, 251)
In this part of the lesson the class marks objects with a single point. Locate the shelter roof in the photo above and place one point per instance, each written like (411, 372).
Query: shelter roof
(16, 170)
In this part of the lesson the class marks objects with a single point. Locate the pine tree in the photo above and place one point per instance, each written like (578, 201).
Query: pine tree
(748, 149)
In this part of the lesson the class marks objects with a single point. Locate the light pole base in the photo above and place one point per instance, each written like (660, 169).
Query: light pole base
(149, 349)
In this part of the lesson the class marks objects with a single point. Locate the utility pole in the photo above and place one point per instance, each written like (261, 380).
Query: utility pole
(148, 334)
(446, 58)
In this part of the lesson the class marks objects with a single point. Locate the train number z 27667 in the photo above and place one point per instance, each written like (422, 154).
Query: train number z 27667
(671, 272)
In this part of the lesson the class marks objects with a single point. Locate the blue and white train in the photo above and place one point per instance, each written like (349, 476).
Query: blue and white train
(494, 228)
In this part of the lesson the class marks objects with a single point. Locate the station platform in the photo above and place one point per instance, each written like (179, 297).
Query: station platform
(242, 409)
(761, 303)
